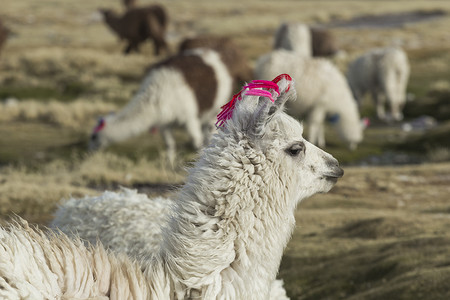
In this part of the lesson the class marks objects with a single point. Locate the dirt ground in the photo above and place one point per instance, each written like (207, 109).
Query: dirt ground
(381, 233)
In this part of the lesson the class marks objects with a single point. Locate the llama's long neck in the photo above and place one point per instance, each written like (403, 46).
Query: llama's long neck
(141, 114)
(230, 226)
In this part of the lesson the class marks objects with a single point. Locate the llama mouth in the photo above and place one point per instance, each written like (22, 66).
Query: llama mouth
(335, 175)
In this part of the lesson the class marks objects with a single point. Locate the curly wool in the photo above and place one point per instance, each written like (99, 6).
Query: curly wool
(228, 225)
(34, 265)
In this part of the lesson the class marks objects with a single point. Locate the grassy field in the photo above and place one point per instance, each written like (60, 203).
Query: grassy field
(380, 233)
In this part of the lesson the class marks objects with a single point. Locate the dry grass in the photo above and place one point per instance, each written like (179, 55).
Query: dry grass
(33, 193)
(77, 116)
(385, 231)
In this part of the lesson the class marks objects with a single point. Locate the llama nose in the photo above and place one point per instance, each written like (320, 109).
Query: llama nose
(334, 170)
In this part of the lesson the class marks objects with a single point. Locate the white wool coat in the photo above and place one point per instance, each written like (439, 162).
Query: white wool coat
(383, 73)
(228, 226)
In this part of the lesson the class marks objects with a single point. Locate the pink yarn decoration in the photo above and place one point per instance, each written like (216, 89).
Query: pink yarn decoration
(254, 88)
(100, 126)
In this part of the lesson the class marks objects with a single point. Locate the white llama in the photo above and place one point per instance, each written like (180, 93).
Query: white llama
(294, 37)
(124, 222)
(227, 228)
(384, 74)
(323, 94)
(187, 89)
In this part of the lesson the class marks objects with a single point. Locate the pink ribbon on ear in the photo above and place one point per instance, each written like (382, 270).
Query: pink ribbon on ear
(254, 88)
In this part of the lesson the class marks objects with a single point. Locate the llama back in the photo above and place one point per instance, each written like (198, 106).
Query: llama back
(123, 222)
(54, 266)
(230, 53)
(205, 74)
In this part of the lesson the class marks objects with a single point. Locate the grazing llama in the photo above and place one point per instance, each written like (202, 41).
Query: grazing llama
(187, 89)
(228, 227)
(139, 24)
(384, 74)
(323, 92)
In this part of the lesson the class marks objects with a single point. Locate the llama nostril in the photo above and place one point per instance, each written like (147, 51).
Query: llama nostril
(339, 172)
(334, 170)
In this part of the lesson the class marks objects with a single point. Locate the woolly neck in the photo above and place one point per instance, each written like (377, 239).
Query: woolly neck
(228, 229)
(134, 118)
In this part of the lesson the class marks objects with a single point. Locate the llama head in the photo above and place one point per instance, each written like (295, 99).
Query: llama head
(298, 168)
(98, 138)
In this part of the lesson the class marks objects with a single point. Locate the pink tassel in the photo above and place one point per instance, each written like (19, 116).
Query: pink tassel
(254, 88)
(100, 126)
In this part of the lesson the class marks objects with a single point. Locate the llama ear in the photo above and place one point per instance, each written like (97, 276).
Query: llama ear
(266, 109)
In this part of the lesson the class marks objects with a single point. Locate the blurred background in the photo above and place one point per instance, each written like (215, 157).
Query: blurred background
(381, 232)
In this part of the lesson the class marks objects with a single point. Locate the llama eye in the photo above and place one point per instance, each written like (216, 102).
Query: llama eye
(295, 149)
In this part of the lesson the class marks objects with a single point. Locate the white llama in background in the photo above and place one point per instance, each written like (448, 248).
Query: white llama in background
(294, 37)
(323, 93)
(227, 229)
(384, 74)
(187, 89)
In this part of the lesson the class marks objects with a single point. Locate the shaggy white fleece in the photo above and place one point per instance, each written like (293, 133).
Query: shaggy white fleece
(384, 73)
(227, 228)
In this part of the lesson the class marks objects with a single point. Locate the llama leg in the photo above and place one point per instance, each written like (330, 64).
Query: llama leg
(321, 135)
(159, 44)
(316, 133)
(358, 95)
(395, 101)
(207, 129)
(156, 33)
(194, 129)
(170, 145)
(132, 46)
(396, 110)
(127, 49)
(379, 102)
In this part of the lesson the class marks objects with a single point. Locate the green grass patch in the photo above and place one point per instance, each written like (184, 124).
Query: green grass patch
(64, 92)
(428, 66)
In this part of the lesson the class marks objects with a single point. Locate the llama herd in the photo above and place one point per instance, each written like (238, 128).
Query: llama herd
(325, 93)
(223, 235)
